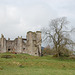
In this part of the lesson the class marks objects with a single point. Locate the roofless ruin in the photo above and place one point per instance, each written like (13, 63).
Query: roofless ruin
(29, 45)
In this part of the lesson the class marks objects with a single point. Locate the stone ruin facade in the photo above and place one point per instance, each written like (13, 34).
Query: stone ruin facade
(29, 45)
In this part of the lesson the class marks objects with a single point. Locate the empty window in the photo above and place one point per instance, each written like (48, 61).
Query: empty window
(8, 49)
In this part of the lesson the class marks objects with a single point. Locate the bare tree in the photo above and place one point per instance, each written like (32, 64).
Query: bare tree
(58, 34)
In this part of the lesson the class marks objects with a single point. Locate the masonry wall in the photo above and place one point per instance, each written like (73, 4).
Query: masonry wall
(10, 46)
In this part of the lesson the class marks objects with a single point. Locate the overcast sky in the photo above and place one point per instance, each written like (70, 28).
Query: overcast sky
(19, 16)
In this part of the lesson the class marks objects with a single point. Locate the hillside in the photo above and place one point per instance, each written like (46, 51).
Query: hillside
(24, 64)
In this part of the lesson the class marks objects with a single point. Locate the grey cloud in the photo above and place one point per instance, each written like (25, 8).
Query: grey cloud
(19, 16)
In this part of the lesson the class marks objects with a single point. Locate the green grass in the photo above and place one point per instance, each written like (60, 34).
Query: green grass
(24, 64)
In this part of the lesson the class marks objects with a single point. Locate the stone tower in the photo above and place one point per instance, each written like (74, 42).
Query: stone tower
(2, 44)
(19, 45)
(38, 40)
(34, 43)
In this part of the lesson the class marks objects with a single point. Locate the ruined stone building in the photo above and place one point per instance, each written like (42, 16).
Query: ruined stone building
(30, 45)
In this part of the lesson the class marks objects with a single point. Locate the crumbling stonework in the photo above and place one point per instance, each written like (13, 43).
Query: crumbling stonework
(30, 45)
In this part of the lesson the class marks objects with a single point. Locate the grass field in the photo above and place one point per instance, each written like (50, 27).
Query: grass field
(23, 64)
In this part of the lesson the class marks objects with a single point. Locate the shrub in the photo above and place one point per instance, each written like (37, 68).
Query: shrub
(48, 51)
